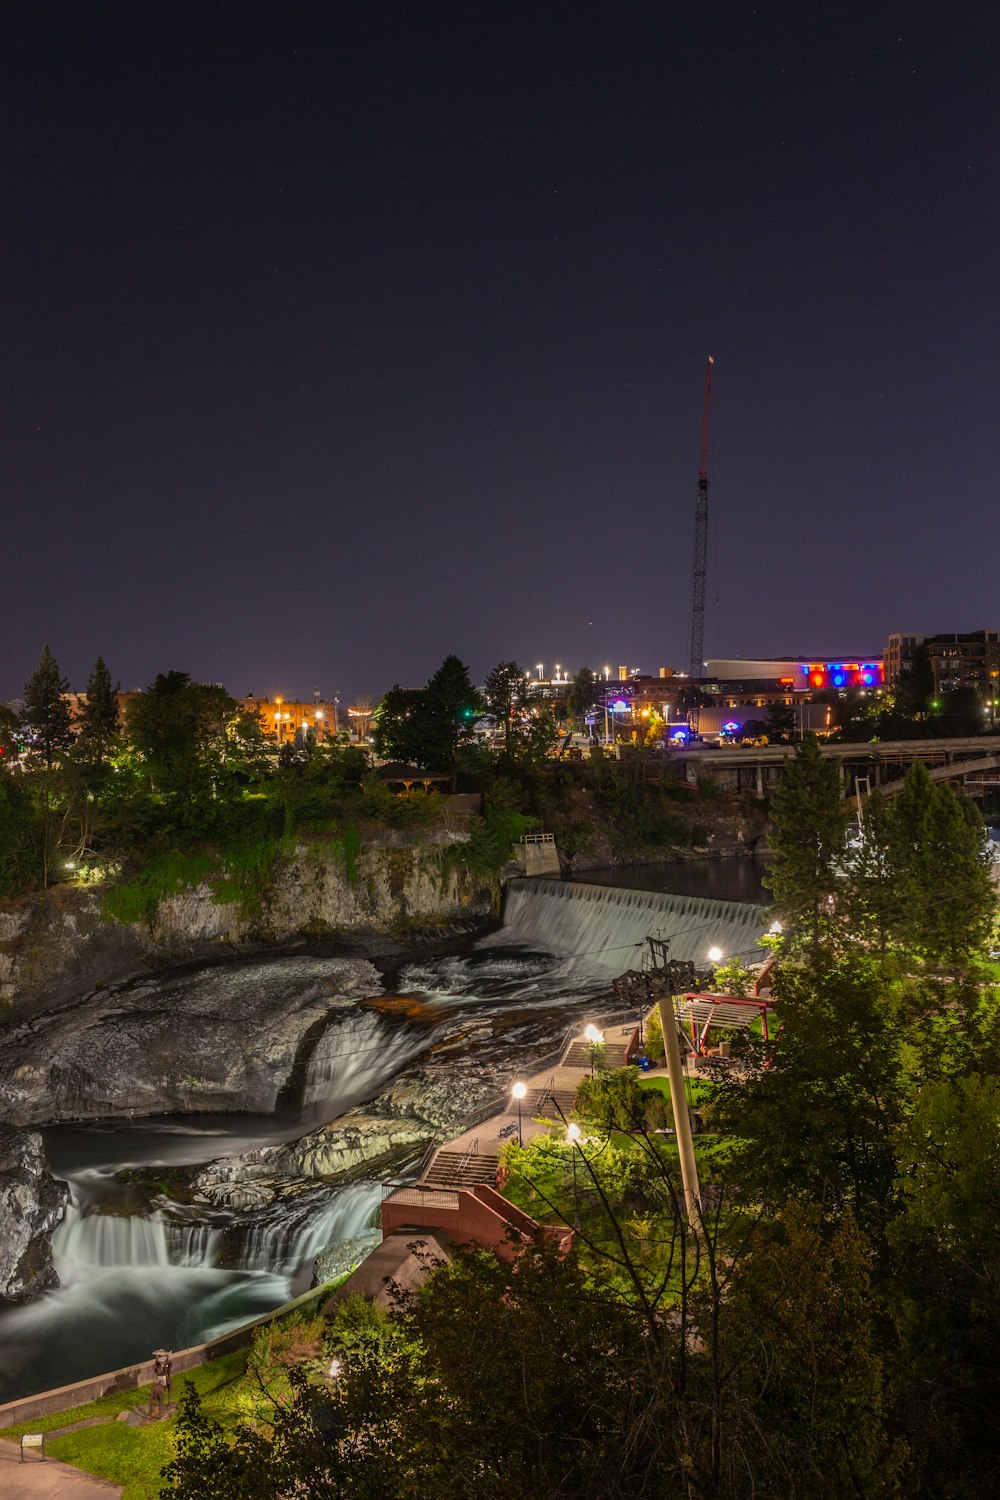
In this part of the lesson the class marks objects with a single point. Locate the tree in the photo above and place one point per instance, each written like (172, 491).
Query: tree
(505, 697)
(817, 1123)
(873, 901)
(800, 1329)
(451, 708)
(914, 689)
(21, 833)
(947, 903)
(397, 725)
(807, 840)
(46, 711)
(99, 725)
(583, 694)
(947, 1281)
(180, 730)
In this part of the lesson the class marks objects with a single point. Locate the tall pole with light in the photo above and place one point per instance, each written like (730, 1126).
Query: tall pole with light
(519, 1090)
(594, 1040)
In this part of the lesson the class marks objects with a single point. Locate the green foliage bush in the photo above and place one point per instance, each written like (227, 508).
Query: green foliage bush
(135, 900)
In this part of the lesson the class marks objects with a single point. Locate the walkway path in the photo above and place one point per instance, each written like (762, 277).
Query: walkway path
(51, 1480)
(559, 1084)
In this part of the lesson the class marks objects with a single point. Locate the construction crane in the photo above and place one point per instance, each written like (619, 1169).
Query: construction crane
(697, 643)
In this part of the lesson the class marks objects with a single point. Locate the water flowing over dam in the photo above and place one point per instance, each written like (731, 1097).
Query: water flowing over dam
(138, 1272)
(600, 929)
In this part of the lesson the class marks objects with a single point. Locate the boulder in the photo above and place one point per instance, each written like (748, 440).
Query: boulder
(32, 1203)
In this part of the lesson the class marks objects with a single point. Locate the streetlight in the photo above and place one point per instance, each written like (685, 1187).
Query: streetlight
(519, 1090)
(573, 1136)
(595, 1039)
(775, 929)
(715, 955)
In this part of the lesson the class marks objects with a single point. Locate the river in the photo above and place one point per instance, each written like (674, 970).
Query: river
(135, 1275)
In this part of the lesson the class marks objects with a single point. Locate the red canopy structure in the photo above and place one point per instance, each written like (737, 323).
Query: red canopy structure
(732, 1012)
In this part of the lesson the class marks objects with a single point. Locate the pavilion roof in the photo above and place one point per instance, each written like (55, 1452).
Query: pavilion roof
(732, 1011)
(398, 770)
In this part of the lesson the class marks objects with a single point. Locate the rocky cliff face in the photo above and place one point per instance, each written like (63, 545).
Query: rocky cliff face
(59, 944)
(222, 1039)
(32, 1202)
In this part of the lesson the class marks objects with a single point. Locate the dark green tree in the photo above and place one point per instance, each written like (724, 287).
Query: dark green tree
(946, 1291)
(10, 737)
(817, 1123)
(873, 901)
(807, 841)
(398, 729)
(99, 725)
(505, 698)
(46, 713)
(914, 689)
(180, 732)
(781, 725)
(583, 694)
(451, 708)
(21, 834)
(947, 902)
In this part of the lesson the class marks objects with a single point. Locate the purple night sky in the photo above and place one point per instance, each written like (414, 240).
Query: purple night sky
(340, 336)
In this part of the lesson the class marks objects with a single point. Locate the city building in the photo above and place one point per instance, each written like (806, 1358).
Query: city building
(958, 660)
(285, 719)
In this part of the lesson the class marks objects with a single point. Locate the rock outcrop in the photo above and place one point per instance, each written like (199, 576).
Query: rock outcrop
(32, 1202)
(354, 1143)
(216, 1039)
(58, 944)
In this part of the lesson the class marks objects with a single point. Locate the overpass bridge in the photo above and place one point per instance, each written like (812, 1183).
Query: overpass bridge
(973, 761)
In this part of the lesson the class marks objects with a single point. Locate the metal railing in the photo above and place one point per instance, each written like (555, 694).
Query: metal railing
(538, 838)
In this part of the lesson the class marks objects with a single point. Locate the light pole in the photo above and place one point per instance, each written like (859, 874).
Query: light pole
(573, 1136)
(519, 1090)
(595, 1039)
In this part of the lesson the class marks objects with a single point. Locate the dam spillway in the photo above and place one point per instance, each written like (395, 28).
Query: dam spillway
(600, 929)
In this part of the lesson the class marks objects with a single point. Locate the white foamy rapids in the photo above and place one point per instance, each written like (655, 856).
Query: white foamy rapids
(284, 1245)
(86, 1243)
(354, 1058)
(485, 976)
(602, 930)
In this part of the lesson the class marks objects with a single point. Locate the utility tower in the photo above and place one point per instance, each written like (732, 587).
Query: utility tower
(697, 642)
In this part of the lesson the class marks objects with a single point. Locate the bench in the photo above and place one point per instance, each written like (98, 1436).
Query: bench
(33, 1440)
(507, 1130)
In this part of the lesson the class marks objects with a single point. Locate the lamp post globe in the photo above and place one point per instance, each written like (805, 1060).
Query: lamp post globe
(519, 1090)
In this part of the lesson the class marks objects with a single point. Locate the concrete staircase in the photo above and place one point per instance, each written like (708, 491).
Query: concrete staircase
(577, 1055)
(458, 1169)
(549, 1101)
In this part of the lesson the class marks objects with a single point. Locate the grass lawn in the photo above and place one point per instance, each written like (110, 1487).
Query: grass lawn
(696, 1088)
(134, 1456)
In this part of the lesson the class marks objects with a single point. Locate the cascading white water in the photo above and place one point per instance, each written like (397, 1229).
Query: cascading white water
(85, 1243)
(602, 929)
(353, 1058)
(284, 1244)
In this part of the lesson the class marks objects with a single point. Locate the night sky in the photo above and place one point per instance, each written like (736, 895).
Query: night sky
(341, 336)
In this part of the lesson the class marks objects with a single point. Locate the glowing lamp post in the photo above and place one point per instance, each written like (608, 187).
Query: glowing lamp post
(519, 1090)
(715, 955)
(594, 1040)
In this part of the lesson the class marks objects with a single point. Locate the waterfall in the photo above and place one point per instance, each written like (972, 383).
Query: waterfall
(101, 1242)
(602, 930)
(353, 1058)
(283, 1244)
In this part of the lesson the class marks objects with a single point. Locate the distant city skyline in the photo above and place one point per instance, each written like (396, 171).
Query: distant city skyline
(338, 339)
